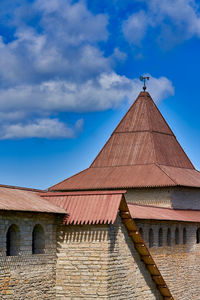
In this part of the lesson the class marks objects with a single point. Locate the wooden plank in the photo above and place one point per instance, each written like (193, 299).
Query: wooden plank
(147, 259)
(153, 270)
(142, 249)
(164, 290)
(158, 279)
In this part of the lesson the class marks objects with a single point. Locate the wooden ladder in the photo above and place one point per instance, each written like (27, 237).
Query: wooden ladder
(143, 251)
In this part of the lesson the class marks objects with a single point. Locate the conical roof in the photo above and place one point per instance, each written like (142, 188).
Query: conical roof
(141, 152)
(142, 137)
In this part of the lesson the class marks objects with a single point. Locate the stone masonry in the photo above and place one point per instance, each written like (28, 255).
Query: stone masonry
(28, 276)
(178, 263)
(176, 197)
(100, 262)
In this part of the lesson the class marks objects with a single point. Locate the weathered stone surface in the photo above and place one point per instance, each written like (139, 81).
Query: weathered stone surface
(28, 276)
(176, 197)
(100, 262)
(179, 264)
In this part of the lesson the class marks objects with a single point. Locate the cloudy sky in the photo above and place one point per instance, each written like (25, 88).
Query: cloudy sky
(69, 71)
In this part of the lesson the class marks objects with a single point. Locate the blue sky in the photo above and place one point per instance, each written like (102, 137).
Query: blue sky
(69, 71)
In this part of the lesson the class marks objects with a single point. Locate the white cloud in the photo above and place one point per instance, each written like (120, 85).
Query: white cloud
(79, 125)
(135, 27)
(74, 22)
(175, 20)
(41, 128)
(58, 66)
(106, 91)
(119, 55)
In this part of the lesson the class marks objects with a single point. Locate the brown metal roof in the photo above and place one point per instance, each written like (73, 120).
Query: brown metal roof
(143, 115)
(25, 200)
(158, 213)
(135, 154)
(92, 208)
(116, 177)
(142, 137)
(182, 176)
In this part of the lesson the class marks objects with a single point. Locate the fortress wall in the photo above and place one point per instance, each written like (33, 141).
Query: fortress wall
(185, 198)
(172, 197)
(179, 264)
(82, 257)
(28, 276)
(150, 196)
(100, 262)
(128, 276)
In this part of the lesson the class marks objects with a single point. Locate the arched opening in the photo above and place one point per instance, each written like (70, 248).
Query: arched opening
(13, 241)
(198, 236)
(184, 236)
(141, 232)
(177, 236)
(151, 238)
(160, 237)
(38, 240)
(168, 237)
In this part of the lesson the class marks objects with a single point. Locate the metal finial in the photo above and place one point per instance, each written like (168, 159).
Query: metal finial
(143, 78)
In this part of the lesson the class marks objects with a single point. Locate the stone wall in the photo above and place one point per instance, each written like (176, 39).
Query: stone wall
(128, 276)
(185, 198)
(178, 263)
(172, 197)
(149, 196)
(100, 262)
(28, 276)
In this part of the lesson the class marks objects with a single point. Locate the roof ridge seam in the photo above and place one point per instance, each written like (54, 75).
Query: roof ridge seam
(136, 131)
(84, 193)
(127, 112)
(178, 167)
(125, 165)
(161, 114)
(166, 174)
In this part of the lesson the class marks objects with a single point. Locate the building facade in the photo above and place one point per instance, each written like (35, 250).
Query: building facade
(128, 227)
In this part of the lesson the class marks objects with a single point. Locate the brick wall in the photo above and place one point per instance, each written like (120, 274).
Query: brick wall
(179, 264)
(100, 262)
(28, 276)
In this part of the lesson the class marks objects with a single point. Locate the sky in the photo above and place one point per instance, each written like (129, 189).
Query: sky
(69, 71)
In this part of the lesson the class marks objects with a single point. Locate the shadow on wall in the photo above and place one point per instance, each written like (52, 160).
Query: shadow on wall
(80, 234)
(124, 262)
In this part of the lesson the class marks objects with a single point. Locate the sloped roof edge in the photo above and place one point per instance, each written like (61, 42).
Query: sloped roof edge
(26, 200)
(163, 213)
(137, 176)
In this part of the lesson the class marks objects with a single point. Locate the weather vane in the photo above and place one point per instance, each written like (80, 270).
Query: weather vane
(143, 78)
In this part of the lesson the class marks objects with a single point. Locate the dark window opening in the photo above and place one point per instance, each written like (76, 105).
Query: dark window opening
(38, 240)
(151, 238)
(13, 241)
(198, 236)
(184, 236)
(160, 237)
(168, 237)
(176, 236)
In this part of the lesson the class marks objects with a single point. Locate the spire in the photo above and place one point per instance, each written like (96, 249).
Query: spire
(141, 152)
(142, 137)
